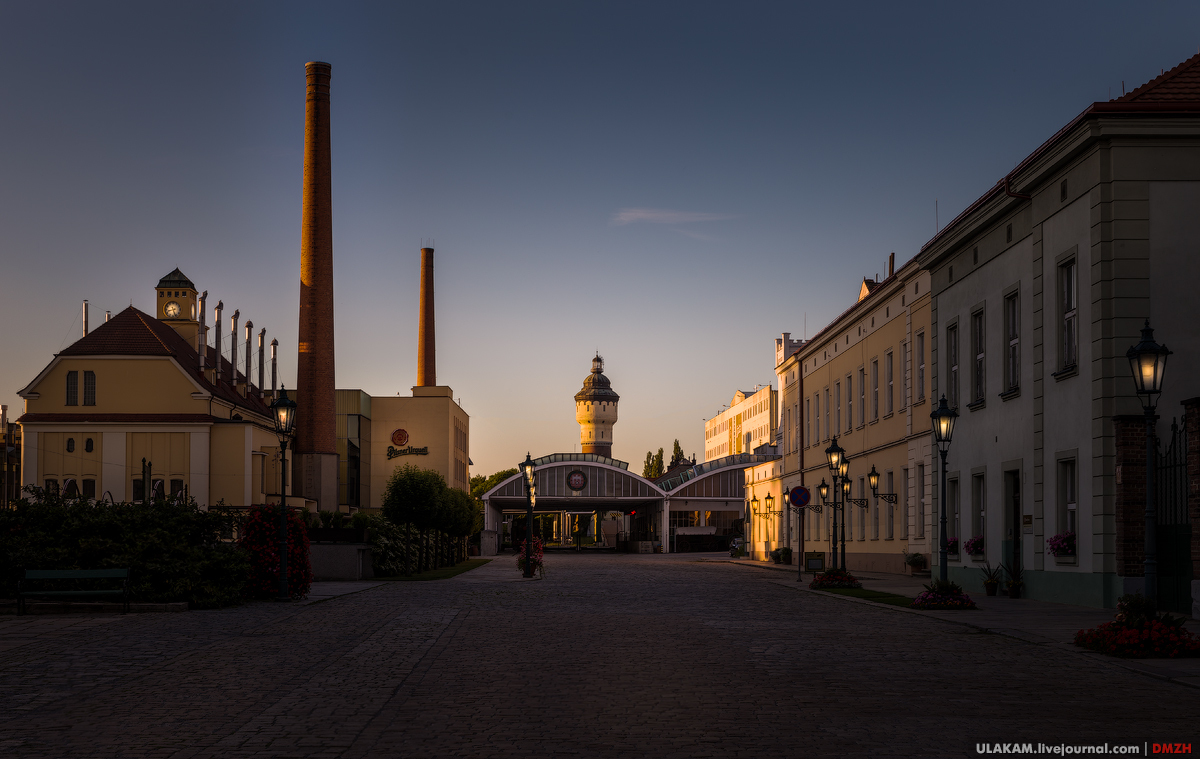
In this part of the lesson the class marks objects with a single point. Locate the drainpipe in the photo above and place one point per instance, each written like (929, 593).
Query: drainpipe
(1009, 192)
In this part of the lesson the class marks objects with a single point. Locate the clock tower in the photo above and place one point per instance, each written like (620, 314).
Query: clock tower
(176, 297)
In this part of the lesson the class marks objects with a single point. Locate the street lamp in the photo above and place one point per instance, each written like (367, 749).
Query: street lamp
(823, 489)
(1148, 362)
(531, 496)
(943, 429)
(834, 454)
(283, 413)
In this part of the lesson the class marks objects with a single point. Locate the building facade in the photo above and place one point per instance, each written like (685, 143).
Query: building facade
(1039, 288)
(748, 423)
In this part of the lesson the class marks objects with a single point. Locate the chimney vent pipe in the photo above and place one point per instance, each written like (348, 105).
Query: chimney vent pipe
(891, 263)
(426, 343)
(217, 339)
(107, 316)
(249, 334)
(85, 318)
(274, 366)
(202, 333)
(233, 320)
(262, 336)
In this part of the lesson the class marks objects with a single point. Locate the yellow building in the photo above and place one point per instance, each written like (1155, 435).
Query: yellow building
(137, 387)
(748, 423)
(864, 380)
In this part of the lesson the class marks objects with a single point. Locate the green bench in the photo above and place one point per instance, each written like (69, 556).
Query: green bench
(23, 591)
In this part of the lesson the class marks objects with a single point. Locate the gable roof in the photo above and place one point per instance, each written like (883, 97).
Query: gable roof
(176, 279)
(135, 333)
(1180, 84)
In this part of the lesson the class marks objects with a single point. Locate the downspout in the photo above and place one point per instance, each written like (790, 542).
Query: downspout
(1009, 192)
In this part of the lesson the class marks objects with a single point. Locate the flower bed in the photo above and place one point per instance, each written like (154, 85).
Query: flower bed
(834, 578)
(1137, 633)
(538, 566)
(975, 545)
(1062, 544)
(951, 545)
(943, 595)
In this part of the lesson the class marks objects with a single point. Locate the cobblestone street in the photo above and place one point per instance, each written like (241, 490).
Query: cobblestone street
(607, 656)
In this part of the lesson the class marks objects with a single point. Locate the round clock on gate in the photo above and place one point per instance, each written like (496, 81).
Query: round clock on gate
(171, 309)
(400, 438)
(577, 480)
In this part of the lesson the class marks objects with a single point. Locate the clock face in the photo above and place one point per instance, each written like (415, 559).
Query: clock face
(171, 309)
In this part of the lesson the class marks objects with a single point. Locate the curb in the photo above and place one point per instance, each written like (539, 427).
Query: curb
(1099, 658)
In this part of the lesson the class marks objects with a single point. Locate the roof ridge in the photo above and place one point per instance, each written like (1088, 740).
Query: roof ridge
(142, 318)
(1159, 80)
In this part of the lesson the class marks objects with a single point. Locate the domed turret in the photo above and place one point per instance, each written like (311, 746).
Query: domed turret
(596, 411)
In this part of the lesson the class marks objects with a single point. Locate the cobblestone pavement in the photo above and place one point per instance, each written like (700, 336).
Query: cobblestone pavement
(607, 656)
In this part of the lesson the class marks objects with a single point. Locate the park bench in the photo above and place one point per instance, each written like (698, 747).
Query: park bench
(23, 591)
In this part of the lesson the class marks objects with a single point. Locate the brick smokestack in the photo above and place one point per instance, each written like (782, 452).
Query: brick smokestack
(316, 462)
(426, 345)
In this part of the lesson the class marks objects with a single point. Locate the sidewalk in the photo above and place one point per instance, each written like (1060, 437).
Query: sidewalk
(1036, 622)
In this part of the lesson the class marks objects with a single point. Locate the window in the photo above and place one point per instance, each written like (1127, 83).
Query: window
(977, 350)
(1008, 233)
(1062, 191)
(874, 390)
(849, 402)
(1067, 497)
(51, 486)
(891, 509)
(1068, 313)
(807, 421)
(837, 405)
(920, 366)
(177, 485)
(978, 505)
(862, 397)
(72, 388)
(1012, 337)
(862, 513)
(89, 388)
(828, 429)
(952, 366)
(72, 489)
(889, 380)
(70, 445)
(88, 445)
(904, 504)
(905, 357)
(817, 416)
(139, 490)
(874, 517)
(952, 508)
(975, 255)
(920, 485)
(89, 489)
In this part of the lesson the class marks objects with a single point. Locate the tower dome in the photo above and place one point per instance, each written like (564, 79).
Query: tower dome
(596, 411)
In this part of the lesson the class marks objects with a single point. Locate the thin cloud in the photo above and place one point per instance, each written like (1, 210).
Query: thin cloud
(695, 235)
(664, 216)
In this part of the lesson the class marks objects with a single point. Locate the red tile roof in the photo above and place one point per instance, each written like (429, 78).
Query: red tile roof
(135, 333)
(1181, 83)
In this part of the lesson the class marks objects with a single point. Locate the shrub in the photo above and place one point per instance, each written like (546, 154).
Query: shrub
(389, 544)
(1062, 544)
(1154, 638)
(174, 550)
(974, 545)
(260, 538)
(834, 578)
(941, 594)
(916, 560)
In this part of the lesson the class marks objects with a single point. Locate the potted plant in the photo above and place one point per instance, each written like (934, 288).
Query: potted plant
(785, 554)
(975, 546)
(952, 546)
(991, 578)
(915, 560)
(1013, 585)
(1062, 544)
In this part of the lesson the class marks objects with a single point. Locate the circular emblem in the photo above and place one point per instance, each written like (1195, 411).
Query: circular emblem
(400, 437)
(800, 496)
(577, 480)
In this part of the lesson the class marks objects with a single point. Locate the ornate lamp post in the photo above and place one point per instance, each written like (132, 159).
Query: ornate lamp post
(835, 455)
(531, 497)
(873, 478)
(943, 429)
(283, 412)
(1148, 362)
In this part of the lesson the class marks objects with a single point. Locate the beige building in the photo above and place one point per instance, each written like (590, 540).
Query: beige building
(149, 387)
(744, 426)
(864, 379)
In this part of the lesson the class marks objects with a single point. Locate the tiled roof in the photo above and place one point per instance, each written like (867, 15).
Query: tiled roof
(1181, 83)
(36, 418)
(176, 279)
(135, 333)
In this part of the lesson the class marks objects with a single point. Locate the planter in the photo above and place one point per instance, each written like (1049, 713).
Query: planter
(1014, 591)
(990, 588)
(976, 557)
(1066, 560)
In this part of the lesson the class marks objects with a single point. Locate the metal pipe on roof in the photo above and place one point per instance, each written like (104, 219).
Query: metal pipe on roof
(249, 334)
(274, 366)
(202, 332)
(217, 340)
(233, 320)
(85, 317)
(262, 336)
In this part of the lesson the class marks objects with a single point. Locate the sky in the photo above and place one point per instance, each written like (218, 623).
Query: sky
(670, 184)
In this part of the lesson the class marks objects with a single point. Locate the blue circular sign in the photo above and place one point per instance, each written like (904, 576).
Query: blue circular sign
(800, 497)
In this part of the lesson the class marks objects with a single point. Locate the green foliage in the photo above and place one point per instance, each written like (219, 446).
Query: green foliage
(332, 519)
(389, 542)
(991, 574)
(481, 484)
(944, 587)
(414, 496)
(173, 549)
(677, 452)
(259, 536)
(654, 465)
(648, 467)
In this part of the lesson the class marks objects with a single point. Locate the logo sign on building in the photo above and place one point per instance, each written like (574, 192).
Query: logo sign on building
(799, 497)
(576, 480)
(401, 447)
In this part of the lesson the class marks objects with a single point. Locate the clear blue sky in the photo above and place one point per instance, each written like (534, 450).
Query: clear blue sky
(673, 184)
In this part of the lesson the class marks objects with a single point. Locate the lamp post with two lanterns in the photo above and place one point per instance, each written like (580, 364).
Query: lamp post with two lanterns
(1148, 362)
(530, 498)
(283, 413)
(943, 429)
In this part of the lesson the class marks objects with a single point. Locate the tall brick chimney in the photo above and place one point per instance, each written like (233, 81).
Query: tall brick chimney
(316, 466)
(426, 345)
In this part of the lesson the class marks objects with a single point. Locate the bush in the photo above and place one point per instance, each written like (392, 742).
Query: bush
(1062, 544)
(975, 545)
(1138, 633)
(538, 565)
(260, 539)
(834, 578)
(941, 594)
(174, 550)
(389, 544)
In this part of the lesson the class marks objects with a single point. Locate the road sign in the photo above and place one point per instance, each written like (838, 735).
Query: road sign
(800, 497)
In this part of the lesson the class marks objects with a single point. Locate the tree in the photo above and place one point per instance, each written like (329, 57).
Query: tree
(481, 484)
(415, 496)
(658, 464)
(648, 467)
(654, 465)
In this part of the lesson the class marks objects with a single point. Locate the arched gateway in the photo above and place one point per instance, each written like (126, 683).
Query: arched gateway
(591, 495)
